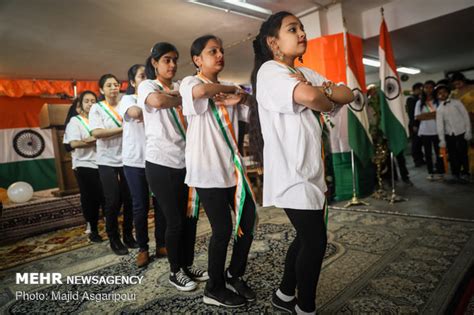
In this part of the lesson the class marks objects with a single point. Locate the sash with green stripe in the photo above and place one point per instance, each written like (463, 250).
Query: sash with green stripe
(242, 188)
(84, 123)
(110, 114)
(193, 198)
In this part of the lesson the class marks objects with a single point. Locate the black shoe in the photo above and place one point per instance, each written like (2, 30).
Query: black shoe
(239, 286)
(94, 237)
(118, 247)
(130, 241)
(408, 181)
(223, 297)
(182, 282)
(282, 305)
(196, 274)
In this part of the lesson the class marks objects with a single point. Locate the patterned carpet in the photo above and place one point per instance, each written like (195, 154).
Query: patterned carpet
(375, 263)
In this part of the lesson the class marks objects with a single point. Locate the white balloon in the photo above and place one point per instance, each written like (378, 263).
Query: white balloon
(20, 192)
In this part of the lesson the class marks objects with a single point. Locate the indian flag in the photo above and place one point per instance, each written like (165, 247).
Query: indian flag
(26, 150)
(394, 120)
(351, 129)
(357, 120)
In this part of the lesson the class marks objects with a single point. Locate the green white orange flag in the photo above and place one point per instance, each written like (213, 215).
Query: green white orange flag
(394, 119)
(26, 152)
(357, 120)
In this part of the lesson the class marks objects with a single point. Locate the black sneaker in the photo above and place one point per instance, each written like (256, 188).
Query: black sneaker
(282, 305)
(196, 274)
(94, 237)
(182, 282)
(239, 286)
(223, 297)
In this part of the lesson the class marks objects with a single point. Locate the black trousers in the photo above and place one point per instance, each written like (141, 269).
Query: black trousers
(116, 194)
(305, 257)
(92, 198)
(416, 149)
(218, 203)
(430, 144)
(457, 148)
(167, 184)
(138, 186)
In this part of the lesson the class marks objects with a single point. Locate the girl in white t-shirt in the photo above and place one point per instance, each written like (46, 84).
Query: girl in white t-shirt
(165, 131)
(289, 104)
(425, 112)
(106, 126)
(133, 155)
(214, 167)
(78, 136)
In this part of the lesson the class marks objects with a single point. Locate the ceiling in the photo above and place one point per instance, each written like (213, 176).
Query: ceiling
(83, 39)
(441, 44)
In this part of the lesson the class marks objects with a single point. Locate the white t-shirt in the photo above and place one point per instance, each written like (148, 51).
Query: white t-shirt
(109, 150)
(81, 157)
(164, 142)
(133, 137)
(209, 161)
(293, 168)
(427, 127)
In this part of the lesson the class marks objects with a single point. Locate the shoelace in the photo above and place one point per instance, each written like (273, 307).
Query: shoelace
(195, 271)
(182, 278)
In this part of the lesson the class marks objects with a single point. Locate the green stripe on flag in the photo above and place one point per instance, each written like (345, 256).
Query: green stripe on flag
(40, 174)
(358, 139)
(391, 127)
(364, 176)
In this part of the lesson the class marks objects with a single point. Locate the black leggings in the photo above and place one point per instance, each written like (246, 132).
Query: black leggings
(92, 197)
(305, 257)
(116, 193)
(431, 143)
(167, 184)
(217, 203)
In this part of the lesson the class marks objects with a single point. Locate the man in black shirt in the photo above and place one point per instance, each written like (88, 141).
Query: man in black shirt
(413, 124)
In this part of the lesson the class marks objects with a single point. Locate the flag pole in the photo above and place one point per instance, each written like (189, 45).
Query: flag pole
(354, 201)
(394, 197)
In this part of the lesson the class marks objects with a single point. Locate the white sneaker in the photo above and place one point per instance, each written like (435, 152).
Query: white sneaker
(430, 177)
(88, 228)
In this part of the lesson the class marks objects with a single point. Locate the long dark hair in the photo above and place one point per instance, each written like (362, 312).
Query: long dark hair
(263, 53)
(158, 50)
(131, 74)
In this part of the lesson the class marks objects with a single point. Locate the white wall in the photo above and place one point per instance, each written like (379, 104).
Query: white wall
(312, 25)
(403, 13)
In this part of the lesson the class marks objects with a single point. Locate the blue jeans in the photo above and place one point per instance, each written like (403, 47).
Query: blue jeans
(138, 186)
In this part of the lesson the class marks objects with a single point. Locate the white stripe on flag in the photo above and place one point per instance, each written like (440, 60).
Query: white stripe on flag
(395, 103)
(34, 143)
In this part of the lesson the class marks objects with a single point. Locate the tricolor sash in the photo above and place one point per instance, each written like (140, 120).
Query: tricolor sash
(178, 117)
(85, 123)
(320, 118)
(243, 187)
(111, 112)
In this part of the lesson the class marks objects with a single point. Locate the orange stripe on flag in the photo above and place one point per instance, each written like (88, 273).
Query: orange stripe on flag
(326, 56)
(23, 112)
(386, 44)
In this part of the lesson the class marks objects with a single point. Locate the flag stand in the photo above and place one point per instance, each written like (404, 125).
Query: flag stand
(394, 197)
(354, 201)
